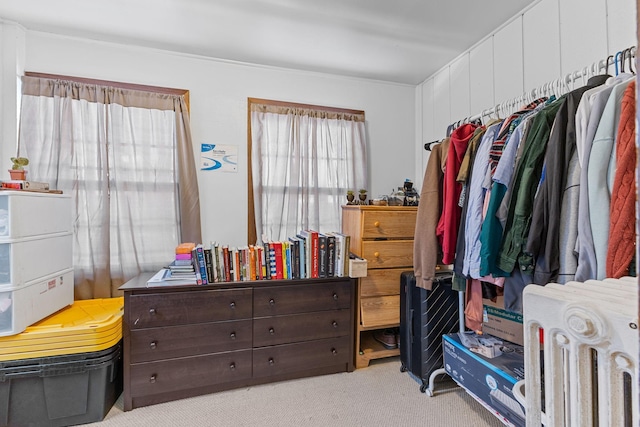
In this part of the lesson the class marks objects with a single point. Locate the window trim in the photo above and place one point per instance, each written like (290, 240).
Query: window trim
(251, 218)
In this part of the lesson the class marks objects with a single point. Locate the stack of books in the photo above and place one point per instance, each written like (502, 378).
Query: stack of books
(15, 184)
(308, 255)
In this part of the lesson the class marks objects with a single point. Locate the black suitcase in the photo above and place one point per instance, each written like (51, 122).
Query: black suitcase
(424, 317)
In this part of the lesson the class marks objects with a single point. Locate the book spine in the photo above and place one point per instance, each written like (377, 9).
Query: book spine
(226, 259)
(267, 260)
(252, 263)
(287, 260)
(208, 261)
(278, 256)
(303, 258)
(331, 256)
(201, 264)
(347, 246)
(236, 265)
(295, 257)
(322, 256)
(315, 255)
(272, 261)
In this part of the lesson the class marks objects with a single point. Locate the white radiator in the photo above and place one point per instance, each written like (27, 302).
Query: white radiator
(589, 353)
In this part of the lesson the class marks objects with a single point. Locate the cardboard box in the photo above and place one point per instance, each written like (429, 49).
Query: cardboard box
(502, 323)
(489, 380)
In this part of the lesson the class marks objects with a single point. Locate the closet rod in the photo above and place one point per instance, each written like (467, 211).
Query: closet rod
(556, 87)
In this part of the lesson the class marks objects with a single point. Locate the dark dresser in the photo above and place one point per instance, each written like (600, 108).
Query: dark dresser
(183, 341)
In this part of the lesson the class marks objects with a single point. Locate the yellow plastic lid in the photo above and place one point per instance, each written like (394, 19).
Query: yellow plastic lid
(85, 326)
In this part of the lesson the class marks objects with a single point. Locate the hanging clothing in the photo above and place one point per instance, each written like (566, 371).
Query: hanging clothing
(525, 184)
(473, 218)
(542, 243)
(459, 280)
(425, 244)
(449, 222)
(588, 117)
(493, 224)
(622, 235)
(568, 230)
(601, 165)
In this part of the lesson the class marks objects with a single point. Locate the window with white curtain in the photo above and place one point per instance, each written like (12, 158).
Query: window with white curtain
(304, 158)
(125, 157)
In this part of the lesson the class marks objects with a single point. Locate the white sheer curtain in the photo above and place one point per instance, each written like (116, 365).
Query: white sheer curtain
(303, 162)
(115, 151)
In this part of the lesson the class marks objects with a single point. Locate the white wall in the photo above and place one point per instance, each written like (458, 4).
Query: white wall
(547, 41)
(219, 92)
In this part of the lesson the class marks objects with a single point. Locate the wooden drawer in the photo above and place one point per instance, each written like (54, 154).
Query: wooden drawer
(388, 253)
(380, 311)
(301, 299)
(181, 341)
(381, 282)
(287, 358)
(189, 372)
(180, 308)
(300, 327)
(388, 224)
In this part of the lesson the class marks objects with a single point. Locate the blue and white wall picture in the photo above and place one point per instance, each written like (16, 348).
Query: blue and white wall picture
(219, 157)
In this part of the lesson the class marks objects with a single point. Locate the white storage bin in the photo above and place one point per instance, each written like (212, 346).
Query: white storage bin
(25, 213)
(26, 259)
(34, 301)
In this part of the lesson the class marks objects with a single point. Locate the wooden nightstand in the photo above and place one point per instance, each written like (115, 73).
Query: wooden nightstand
(383, 235)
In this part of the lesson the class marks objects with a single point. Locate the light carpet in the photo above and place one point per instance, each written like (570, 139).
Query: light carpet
(378, 395)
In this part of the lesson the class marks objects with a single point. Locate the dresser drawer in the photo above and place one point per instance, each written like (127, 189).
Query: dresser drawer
(380, 311)
(388, 253)
(300, 327)
(189, 372)
(381, 282)
(189, 340)
(388, 224)
(180, 308)
(293, 299)
(287, 358)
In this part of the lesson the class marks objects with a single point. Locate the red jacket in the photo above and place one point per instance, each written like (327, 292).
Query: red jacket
(622, 228)
(447, 230)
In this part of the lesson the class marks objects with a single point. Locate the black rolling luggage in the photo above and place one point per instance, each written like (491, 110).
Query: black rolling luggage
(424, 317)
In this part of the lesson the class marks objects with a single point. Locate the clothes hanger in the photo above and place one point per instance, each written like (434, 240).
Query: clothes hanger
(616, 62)
(607, 62)
(629, 55)
(427, 145)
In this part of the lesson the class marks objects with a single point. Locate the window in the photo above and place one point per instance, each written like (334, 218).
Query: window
(124, 154)
(303, 159)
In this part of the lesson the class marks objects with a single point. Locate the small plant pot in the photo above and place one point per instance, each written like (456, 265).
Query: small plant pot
(18, 174)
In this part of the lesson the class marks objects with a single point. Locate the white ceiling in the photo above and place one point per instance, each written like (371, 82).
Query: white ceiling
(403, 41)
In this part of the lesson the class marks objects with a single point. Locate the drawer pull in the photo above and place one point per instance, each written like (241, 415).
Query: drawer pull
(334, 324)
(335, 296)
(153, 345)
(272, 331)
(152, 311)
(232, 335)
(376, 224)
(271, 361)
(272, 302)
(334, 351)
(233, 304)
(232, 366)
(376, 254)
(152, 378)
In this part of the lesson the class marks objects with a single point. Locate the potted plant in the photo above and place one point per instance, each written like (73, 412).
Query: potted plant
(350, 197)
(17, 169)
(363, 196)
